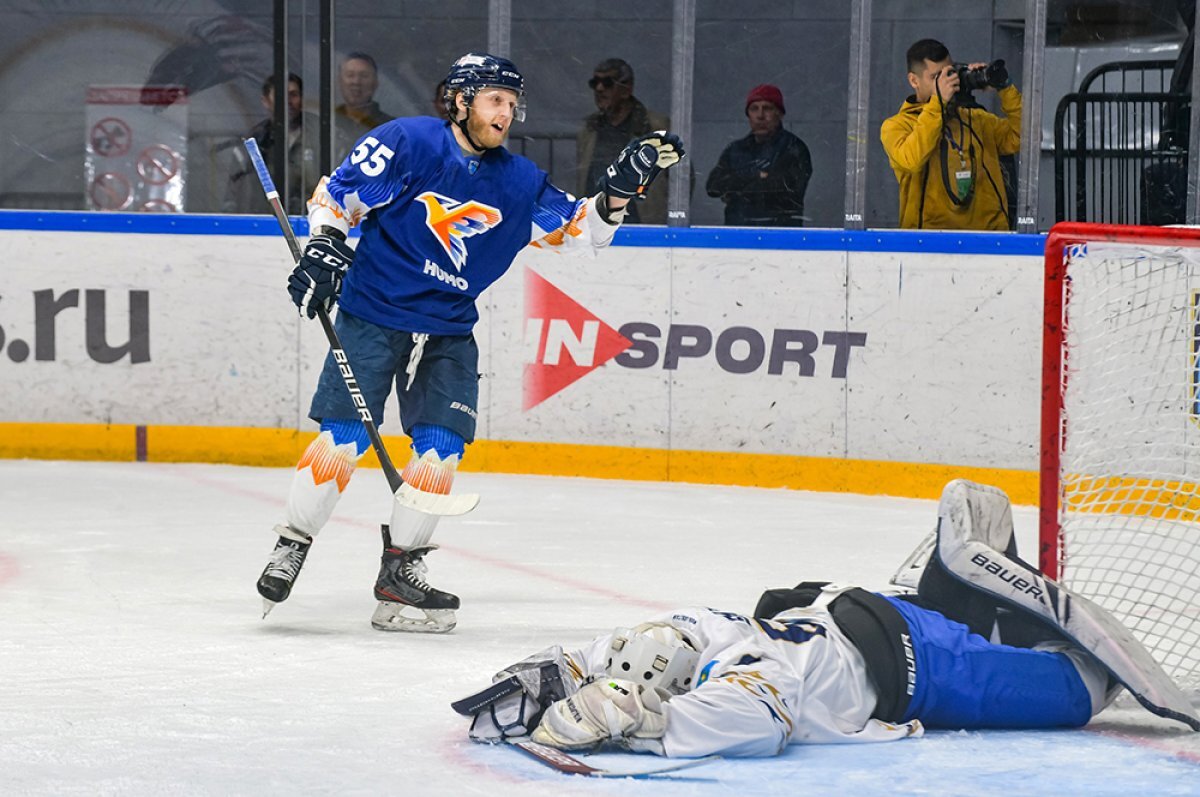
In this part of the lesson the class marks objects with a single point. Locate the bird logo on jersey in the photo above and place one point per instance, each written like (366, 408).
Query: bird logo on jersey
(452, 221)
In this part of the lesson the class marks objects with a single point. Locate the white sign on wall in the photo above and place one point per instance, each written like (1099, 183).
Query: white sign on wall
(136, 155)
(859, 355)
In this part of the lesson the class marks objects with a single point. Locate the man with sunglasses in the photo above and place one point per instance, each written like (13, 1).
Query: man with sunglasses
(444, 210)
(620, 117)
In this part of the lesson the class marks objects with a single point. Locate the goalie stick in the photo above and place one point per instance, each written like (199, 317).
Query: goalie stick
(405, 495)
(570, 765)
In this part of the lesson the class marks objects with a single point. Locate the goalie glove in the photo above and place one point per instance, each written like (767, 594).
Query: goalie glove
(639, 163)
(317, 279)
(513, 704)
(610, 710)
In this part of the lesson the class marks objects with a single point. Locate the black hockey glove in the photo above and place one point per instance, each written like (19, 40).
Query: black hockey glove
(317, 279)
(639, 163)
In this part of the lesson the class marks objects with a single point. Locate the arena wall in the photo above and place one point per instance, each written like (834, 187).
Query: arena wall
(868, 362)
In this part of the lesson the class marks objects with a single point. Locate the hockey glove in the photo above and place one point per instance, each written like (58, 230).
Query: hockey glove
(519, 694)
(609, 710)
(639, 163)
(317, 279)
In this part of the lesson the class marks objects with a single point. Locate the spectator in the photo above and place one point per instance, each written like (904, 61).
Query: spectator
(762, 178)
(620, 117)
(945, 149)
(244, 193)
(359, 113)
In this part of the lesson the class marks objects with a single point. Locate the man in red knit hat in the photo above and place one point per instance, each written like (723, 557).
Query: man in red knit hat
(762, 178)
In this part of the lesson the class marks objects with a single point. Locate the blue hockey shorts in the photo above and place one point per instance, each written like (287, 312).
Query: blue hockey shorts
(444, 392)
(964, 681)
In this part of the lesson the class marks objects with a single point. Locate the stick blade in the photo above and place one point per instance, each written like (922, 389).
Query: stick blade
(570, 765)
(436, 503)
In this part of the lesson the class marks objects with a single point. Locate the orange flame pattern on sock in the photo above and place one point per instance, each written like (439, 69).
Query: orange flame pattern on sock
(328, 461)
(431, 474)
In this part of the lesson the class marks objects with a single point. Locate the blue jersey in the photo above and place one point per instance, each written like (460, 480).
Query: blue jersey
(438, 226)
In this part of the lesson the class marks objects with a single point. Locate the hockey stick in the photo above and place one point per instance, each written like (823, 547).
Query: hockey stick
(430, 503)
(570, 765)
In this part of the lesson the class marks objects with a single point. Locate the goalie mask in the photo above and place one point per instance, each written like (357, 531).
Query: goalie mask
(656, 655)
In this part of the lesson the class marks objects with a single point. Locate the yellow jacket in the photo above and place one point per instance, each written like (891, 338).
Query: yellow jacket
(916, 148)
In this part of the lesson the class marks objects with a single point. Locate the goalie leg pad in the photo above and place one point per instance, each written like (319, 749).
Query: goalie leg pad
(966, 517)
(321, 476)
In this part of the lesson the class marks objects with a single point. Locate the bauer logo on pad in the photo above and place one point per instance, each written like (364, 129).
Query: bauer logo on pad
(564, 341)
(451, 221)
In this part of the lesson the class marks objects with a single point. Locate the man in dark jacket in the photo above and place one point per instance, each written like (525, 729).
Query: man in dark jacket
(762, 178)
(620, 117)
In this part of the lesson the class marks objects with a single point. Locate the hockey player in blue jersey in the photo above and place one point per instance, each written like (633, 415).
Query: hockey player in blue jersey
(444, 209)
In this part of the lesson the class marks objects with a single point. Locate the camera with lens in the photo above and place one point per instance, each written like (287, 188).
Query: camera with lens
(971, 80)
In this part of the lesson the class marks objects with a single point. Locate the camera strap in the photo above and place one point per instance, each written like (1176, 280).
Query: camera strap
(943, 155)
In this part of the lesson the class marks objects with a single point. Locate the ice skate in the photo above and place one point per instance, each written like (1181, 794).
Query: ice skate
(275, 583)
(406, 601)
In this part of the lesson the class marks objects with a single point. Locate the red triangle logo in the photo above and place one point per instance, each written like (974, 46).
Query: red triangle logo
(566, 341)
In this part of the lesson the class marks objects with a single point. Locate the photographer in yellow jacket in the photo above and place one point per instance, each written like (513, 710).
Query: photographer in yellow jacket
(945, 148)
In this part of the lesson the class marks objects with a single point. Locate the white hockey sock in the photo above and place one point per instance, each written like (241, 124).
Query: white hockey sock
(321, 475)
(428, 473)
(1091, 672)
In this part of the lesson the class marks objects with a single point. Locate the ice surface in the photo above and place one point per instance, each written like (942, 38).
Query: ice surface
(133, 659)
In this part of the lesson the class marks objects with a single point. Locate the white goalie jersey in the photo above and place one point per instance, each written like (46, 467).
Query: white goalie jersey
(763, 684)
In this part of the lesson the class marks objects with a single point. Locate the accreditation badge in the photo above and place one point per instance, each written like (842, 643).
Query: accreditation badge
(962, 179)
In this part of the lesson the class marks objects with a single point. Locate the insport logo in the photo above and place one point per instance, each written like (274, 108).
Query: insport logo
(565, 342)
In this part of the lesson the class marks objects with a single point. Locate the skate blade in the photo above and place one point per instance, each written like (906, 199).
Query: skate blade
(392, 617)
(267, 607)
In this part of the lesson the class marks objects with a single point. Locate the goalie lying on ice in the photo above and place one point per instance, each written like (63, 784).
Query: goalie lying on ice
(826, 663)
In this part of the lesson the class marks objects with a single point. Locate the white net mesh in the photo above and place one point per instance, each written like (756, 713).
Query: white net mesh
(1130, 470)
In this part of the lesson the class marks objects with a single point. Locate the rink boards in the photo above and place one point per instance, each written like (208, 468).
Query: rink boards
(866, 362)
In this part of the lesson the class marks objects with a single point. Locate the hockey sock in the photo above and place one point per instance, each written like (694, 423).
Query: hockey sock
(323, 473)
(436, 454)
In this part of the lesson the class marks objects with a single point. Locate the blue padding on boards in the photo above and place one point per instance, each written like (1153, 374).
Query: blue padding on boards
(445, 442)
(806, 239)
(348, 431)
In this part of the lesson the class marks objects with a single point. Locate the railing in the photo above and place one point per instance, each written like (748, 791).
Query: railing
(1116, 159)
(1127, 76)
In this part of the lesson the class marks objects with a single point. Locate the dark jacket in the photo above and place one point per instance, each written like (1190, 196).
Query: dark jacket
(351, 124)
(244, 193)
(763, 184)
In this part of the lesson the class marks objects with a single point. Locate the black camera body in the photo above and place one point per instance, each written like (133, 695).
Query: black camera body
(971, 80)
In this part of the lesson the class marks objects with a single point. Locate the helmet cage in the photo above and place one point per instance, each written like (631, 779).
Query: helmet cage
(656, 655)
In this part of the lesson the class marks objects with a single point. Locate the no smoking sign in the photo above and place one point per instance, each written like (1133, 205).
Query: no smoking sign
(110, 137)
(157, 164)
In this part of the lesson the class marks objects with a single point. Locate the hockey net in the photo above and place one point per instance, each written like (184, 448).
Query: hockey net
(1120, 453)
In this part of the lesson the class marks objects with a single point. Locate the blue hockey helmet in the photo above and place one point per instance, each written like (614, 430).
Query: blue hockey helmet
(475, 71)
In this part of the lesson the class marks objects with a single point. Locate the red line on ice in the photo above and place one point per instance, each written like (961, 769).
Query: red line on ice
(504, 564)
(8, 568)
(1153, 744)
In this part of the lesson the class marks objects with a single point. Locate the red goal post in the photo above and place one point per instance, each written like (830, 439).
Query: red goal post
(1119, 491)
